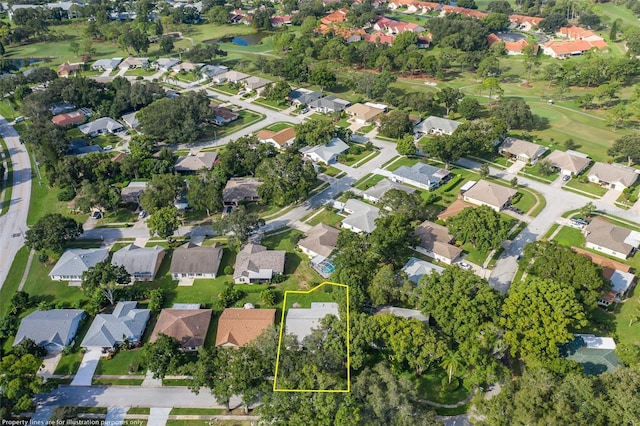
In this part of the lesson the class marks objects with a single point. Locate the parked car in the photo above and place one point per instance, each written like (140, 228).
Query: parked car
(97, 215)
(464, 266)
(580, 220)
(566, 177)
(142, 214)
(305, 110)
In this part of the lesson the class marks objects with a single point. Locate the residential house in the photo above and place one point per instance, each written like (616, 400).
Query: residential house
(106, 64)
(74, 262)
(616, 241)
(363, 114)
(68, 119)
(472, 13)
(256, 264)
(574, 32)
(235, 76)
(512, 47)
(380, 38)
(375, 193)
(321, 240)
(362, 216)
(596, 354)
(131, 121)
(614, 176)
(125, 323)
(132, 63)
(238, 190)
(569, 163)
(132, 192)
(567, 48)
(101, 126)
(192, 261)
(301, 322)
(489, 194)
(391, 26)
(415, 268)
(142, 263)
(408, 314)
(224, 116)
(521, 150)
(194, 162)
(454, 209)
(329, 104)
(304, 96)
(436, 126)
(619, 275)
(188, 326)
(80, 148)
(436, 242)
(280, 21)
(53, 329)
(524, 23)
(280, 139)
(239, 327)
(326, 154)
(336, 17)
(66, 70)
(257, 84)
(195, 68)
(165, 64)
(215, 72)
(421, 175)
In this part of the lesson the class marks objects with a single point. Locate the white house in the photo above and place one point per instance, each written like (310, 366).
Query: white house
(326, 154)
(614, 176)
(611, 239)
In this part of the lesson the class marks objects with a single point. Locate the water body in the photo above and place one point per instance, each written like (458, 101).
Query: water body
(247, 39)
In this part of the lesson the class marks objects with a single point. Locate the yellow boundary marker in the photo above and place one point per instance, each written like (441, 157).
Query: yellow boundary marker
(284, 305)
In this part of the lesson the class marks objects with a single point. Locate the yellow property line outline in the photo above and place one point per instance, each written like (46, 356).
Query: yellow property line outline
(284, 305)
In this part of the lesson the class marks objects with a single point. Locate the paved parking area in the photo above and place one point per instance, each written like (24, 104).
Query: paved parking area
(87, 367)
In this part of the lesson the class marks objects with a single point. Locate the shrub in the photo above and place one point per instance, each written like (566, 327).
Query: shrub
(66, 194)
(228, 270)
(229, 296)
(268, 297)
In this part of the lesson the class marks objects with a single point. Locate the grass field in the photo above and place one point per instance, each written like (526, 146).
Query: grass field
(326, 216)
(570, 237)
(12, 281)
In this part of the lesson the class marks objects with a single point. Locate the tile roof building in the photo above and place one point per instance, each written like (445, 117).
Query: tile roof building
(436, 242)
(376, 192)
(436, 126)
(569, 163)
(239, 327)
(194, 162)
(522, 150)
(240, 189)
(280, 139)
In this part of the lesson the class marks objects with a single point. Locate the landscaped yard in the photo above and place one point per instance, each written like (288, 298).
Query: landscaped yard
(271, 104)
(429, 386)
(589, 187)
(525, 201)
(368, 181)
(326, 216)
(570, 237)
(120, 364)
(351, 159)
(276, 127)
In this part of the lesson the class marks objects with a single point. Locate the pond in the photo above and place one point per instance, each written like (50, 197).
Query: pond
(17, 63)
(247, 39)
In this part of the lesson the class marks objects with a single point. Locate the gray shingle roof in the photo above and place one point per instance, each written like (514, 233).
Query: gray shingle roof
(126, 322)
(376, 192)
(612, 173)
(331, 102)
(301, 322)
(363, 217)
(57, 326)
(139, 261)
(75, 261)
(606, 234)
(423, 174)
(438, 124)
(101, 124)
(334, 147)
(416, 268)
(320, 239)
(256, 262)
(190, 258)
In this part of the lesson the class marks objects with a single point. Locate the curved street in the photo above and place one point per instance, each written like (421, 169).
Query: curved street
(13, 225)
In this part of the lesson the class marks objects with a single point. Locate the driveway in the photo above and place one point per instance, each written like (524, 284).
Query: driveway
(115, 416)
(87, 367)
(516, 167)
(49, 364)
(610, 197)
(14, 224)
(158, 416)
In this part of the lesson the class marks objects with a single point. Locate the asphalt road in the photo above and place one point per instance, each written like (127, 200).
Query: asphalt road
(13, 225)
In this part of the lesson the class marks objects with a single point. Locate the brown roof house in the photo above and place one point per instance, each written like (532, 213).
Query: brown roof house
(193, 261)
(256, 264)
(614, 176)
(569, 163)
(239, 327)
(321, 240)
(363, 114)
(519, 149)
(611, 239)
(240, 189)
(490, 194)
(281, 139)
(435, 242)
(224, 115)
(68, 118)
(67, 69)
(194, 162)
(188, 326)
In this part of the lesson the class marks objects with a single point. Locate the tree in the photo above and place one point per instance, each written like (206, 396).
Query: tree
(315, 132)
(392, 235)
(538, 315)
(406, 145)
(105, 277)
(550, 260)
(626, 148)
(451, 362)
(384, 287)
(552, 22)
(613, 32)
(268, 297)
(545, 168)
(514, 182)
(449, 97)
(588, 209)
(500, 6)
(277, 92)
(322, 76)
(469, 108)
(492, 84)
(410, 205)
(240, 223)
(483, 227)
(51, 232)
(484, 170)
(162, 191)
(163, 356)
(242, 156)
(19, 381)
(496, 22)
(205, 191)
(166, 44)
(164, 222)
(515, 112)
(286, 178)
(395, 124)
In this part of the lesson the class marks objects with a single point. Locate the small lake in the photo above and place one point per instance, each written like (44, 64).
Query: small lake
(247, 39)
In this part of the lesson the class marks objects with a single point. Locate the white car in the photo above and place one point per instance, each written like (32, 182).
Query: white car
(465, 266)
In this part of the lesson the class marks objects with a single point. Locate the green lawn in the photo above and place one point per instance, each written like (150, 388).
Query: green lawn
(326, 216)
(119, 364)
(570, 237)
(429, 386)
(368, 181)
(526, 201)
(474, 255)
(246, 119)
(589, 187)
(118, 216)
(351, 159)
(404, 161)
(278, 106)
(281, 125)
(14, 276)
(365, 129)
(329, 170)
(55, 292)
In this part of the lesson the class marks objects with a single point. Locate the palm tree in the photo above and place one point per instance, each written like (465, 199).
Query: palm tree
(451, 362)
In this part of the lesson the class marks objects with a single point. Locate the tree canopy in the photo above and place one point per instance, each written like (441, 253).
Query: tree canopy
(164, 222)
(286, 178)
(51, 232)
(626, 148)
(515, 113)
(483, 227)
